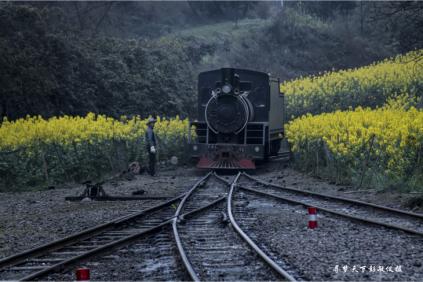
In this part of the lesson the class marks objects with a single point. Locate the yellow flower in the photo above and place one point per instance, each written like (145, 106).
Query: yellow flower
(66, 130)
(391, 134)
(371, 86)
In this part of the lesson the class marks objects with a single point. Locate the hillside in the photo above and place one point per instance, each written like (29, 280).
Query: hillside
(368, 86)
(65, 72)
(290, 45)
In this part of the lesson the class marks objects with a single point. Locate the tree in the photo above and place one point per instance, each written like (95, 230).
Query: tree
(403, 19)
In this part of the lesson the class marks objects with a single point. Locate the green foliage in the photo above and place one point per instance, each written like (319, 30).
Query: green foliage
(55, 62)
(52, 74)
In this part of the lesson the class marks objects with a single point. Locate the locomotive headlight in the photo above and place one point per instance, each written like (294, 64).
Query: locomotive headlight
(257, 149)
(226, 88)
(195, 147)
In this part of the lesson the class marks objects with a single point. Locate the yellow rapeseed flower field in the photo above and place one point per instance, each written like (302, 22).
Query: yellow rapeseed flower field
(73, 148)
(67, 130)
(368, 86)
(391, 138)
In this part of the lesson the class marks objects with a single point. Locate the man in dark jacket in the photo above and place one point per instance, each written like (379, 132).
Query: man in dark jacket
(150, 141)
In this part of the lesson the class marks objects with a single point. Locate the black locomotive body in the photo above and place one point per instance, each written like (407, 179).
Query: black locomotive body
(240, 119)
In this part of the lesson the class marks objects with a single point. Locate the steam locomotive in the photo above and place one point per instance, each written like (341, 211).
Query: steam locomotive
(240, 119)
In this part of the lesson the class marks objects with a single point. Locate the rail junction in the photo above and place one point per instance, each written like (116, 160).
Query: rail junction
(211, 231)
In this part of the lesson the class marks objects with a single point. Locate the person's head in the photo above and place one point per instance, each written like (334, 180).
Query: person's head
(151, 121)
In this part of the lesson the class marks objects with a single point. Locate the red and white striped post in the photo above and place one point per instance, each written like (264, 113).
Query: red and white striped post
(312, 221)
(83, 274)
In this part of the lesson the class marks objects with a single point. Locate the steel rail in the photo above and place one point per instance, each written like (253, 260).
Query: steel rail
(249, 241)
(116, 198)
(221, 178)
(182, 253)
(113, 245)
(183, 217)
(62, 265)
(347, 200)
(391, 226)
(85, 234)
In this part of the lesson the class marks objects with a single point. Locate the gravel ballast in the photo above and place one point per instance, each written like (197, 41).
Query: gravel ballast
(322, 253)
(29, 219)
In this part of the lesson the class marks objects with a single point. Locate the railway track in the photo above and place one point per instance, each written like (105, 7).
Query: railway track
(153, 257)
(209, 248)
(278, 226)
(348, 208)
(61, 254)
(203, 234)
(272, 259)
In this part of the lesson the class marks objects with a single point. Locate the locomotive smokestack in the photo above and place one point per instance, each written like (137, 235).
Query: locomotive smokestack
(229, 77)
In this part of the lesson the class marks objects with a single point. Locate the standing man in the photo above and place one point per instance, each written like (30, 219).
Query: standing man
(150, 140)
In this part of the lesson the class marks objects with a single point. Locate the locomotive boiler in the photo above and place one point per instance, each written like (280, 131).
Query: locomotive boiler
(240, 119)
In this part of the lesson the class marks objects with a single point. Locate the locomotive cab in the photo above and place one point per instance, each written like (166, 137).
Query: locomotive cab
(240, 119)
